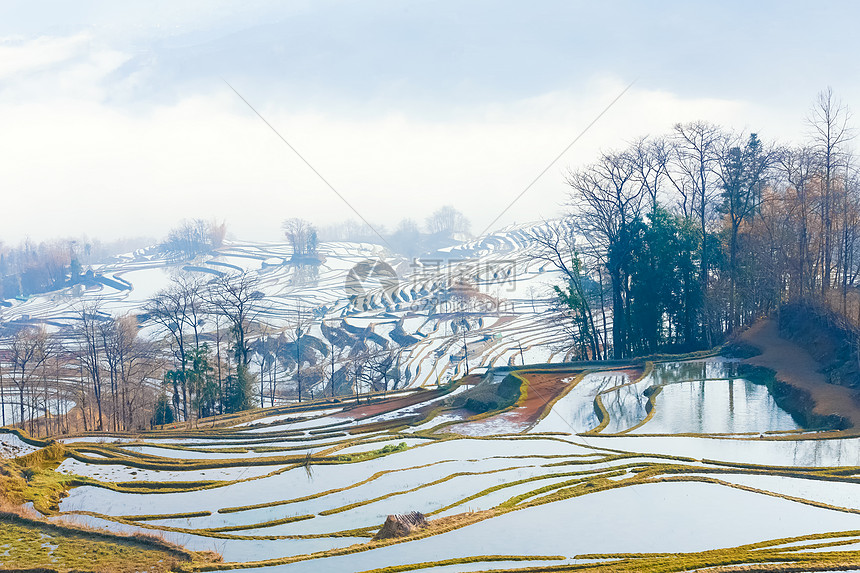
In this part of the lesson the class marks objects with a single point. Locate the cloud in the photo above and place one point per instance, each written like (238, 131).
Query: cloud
(26, 56)
(76, 140)
(109, 171)
(50, 68)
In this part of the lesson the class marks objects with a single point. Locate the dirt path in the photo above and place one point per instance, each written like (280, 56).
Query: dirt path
(795, 366)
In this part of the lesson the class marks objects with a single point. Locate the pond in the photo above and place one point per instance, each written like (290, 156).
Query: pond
(707, 397)
(699, 397)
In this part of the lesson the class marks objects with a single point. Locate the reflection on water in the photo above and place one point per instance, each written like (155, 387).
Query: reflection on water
(306, 275)
(574, 413)
(800, 452)
(309, 468)
(708, 397)
(701, 397)
(626, 405)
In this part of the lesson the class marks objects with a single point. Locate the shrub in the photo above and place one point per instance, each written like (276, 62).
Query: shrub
(486, 397)
(739, 349)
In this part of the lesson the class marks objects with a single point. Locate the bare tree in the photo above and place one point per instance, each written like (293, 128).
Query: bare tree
(338, 344)
(264, 350)
(651, 159)
(180, 311)
(358, 364)
(3, 390)
(239, 300)
(798, 167)
(194, 237)
(28, 351)
(302, 235)
(828, 121)
(447, 220)
(90, 351)
(696, 151)
(384, 367)
(299, 324)
(606, 200)
(130, 363)
(555, 243)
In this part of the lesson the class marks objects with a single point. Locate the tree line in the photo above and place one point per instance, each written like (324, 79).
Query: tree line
(31, 268)
(196, 349)
(201, 346)
(408, 236)
(673, 242)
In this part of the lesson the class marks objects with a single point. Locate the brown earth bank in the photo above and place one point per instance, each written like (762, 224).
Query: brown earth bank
(795, 366)
(830, 338)
(387, 405)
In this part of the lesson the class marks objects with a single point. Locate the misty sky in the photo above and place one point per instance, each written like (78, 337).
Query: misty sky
(115, 119)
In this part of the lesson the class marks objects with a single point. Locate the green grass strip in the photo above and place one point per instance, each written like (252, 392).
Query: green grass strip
(373, 477)
(157, 516)
(463, 560)
(411, 490)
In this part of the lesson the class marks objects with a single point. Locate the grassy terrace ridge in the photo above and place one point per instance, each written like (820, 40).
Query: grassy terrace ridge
(347, 403)
(465, 560)
(584, 487)
(31, 543)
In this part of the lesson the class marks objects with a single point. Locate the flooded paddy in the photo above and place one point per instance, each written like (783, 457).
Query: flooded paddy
(710, 398)
(687, 443)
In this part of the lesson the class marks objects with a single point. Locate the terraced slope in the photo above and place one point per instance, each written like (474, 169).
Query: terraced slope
(707, 473)
(481, 302)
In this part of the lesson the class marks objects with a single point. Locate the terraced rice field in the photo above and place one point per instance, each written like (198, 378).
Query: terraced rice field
(504, 322)
(666, 466)
(589, 470)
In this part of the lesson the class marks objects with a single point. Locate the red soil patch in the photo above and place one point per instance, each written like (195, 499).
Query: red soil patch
(470, 380)
(542, 388)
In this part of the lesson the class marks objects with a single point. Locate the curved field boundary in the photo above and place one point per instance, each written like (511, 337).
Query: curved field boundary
(601, 411)
(650, 473)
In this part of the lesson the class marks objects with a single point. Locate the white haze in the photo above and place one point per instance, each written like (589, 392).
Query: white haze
(115, 120)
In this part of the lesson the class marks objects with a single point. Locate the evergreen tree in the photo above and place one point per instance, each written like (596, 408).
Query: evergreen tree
(240, 388)
(163, 413)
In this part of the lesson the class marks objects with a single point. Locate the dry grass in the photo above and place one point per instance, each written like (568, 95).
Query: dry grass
(28, 541)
